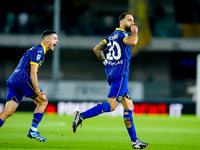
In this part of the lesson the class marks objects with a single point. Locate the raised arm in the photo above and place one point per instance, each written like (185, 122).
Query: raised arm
(133, 39)
(98, 50)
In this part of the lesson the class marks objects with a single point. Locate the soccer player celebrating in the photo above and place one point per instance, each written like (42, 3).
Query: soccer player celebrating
(24, 82)
(119, 47)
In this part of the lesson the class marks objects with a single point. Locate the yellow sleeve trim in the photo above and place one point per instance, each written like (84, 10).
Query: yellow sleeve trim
(125, 38)
(105, 41)
(33, 63)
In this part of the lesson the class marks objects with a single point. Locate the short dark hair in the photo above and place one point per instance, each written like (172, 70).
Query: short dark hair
(47, 33)
(123, 15)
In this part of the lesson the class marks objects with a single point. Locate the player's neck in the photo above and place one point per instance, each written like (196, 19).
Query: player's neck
(121, 26)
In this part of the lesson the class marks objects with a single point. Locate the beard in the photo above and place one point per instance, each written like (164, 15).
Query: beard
(127, 28)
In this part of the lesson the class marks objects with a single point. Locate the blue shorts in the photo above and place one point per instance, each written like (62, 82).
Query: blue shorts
(118, 87)
(16, 91)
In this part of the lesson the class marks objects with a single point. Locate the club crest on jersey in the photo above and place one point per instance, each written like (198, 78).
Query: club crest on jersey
(38, 57)
(126, 34)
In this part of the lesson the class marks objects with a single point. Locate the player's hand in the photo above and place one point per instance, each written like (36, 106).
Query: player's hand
(42, 96)
(134, 29)
(36, 103)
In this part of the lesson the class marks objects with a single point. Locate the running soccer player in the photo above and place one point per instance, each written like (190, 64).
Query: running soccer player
(24, 82)
(119, 47)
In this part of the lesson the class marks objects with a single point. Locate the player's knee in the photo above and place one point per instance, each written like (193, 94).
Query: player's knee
(43, 103)
(113, 104)
(128, 124)
(10, 113)
(113, 107)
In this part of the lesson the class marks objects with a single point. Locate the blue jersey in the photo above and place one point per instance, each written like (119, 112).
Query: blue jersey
(118, 54)
(35, 56)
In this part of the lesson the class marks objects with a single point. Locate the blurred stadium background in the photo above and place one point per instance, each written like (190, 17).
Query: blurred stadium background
(163, 67)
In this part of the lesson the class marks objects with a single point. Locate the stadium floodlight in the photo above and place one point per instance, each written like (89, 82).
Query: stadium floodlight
(198, 87)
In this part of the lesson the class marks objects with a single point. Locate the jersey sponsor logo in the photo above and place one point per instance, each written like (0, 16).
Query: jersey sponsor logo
(38, 57)
(115, 63)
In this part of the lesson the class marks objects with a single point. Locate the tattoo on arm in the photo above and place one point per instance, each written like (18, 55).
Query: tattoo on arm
(98, 50)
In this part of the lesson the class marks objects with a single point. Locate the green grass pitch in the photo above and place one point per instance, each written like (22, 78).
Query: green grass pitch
(101, 133)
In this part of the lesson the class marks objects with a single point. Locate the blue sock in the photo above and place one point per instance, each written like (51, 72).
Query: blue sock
(96, 110)
(1, 122)
(128, 120)
(37, 117)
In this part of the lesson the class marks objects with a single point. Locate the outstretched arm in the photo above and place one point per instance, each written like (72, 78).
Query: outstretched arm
(98, 50)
